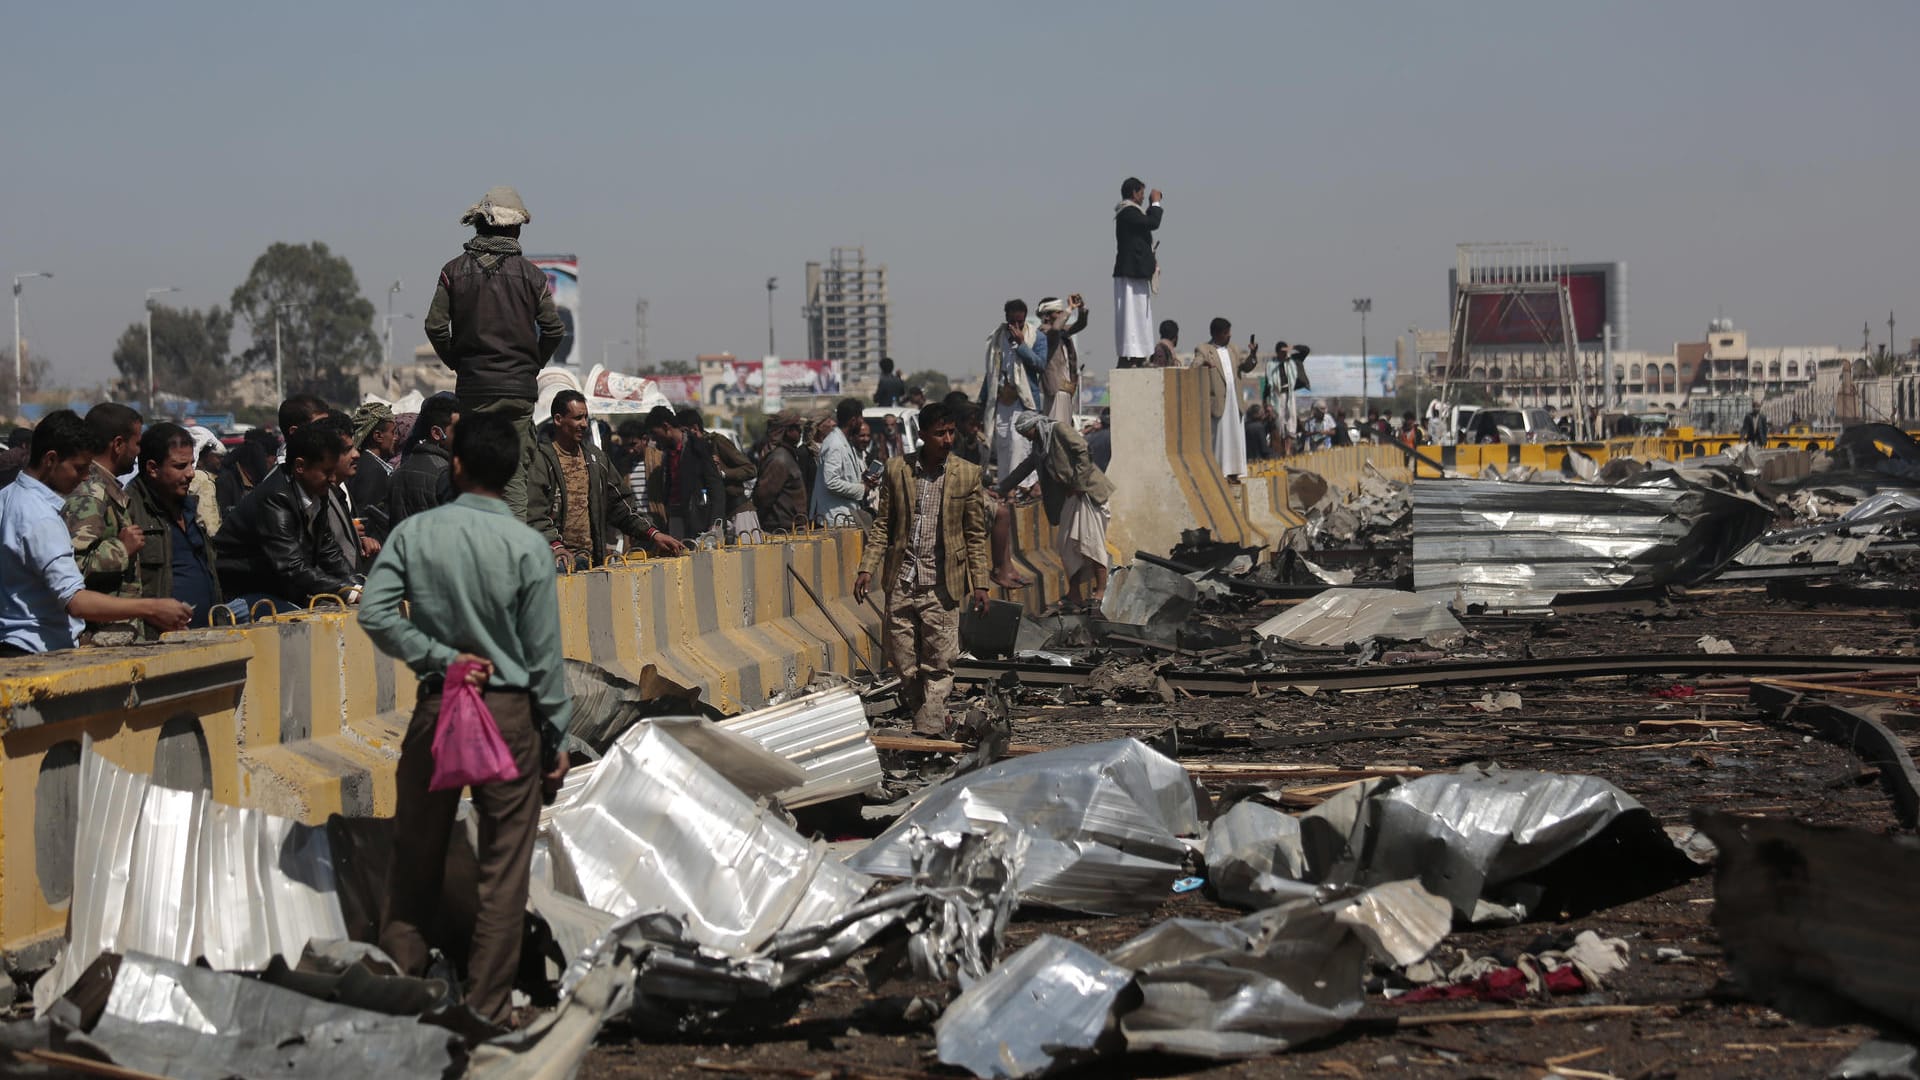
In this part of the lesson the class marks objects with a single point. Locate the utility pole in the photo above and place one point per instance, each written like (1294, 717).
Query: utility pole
(151, 293)
(386, 363)
(1363, 306)
(772, 283)
(640, 333)
(19, 365)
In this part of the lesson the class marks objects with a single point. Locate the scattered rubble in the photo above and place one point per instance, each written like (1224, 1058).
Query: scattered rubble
(1151, 843)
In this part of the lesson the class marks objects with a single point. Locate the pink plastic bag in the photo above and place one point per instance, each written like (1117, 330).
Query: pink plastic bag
(467, 747)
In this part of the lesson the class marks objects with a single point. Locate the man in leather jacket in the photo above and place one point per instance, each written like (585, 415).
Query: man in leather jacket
(276, 544)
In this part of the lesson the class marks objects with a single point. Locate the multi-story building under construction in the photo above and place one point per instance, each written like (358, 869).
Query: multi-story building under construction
(848, 314)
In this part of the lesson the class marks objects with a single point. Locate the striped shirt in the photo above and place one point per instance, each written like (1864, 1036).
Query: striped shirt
(921, 567)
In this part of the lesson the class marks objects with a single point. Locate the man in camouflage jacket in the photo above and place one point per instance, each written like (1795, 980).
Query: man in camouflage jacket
(106, 539)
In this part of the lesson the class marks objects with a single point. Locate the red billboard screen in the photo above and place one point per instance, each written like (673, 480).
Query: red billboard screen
(1534, 318)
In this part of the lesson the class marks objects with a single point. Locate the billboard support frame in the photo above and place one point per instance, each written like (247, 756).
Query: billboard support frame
(1512, 274)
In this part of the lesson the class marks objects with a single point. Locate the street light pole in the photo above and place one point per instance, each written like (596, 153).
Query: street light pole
(390, 316)
(151, 293)
(771, 285)
(386, 363)
(19, 368)
(1363, 305)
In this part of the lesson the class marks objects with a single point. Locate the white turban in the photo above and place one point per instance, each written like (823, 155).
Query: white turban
(202, 439)
(1051, 305)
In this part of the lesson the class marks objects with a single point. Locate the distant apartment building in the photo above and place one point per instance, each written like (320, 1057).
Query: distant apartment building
(848, 314)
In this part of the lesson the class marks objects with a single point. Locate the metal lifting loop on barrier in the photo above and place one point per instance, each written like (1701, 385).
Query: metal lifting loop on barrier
(233, 620)
(314, 603)
(253, 613)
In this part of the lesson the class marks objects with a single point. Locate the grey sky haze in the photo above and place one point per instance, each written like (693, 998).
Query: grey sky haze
(1756, 157)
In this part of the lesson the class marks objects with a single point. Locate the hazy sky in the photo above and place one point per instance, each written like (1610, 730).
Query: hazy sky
(1755, 157)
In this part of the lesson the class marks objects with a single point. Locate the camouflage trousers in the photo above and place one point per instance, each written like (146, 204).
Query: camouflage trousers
(922, 635)
(520, 411)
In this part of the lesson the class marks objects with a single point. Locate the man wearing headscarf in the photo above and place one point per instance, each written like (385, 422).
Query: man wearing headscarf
(1015, 359)
(1061, 380)
(208, 455)
(493, 321)
(375, 435)
(1075, 493)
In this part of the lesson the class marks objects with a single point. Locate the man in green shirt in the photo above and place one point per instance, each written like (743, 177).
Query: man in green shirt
(481, 588)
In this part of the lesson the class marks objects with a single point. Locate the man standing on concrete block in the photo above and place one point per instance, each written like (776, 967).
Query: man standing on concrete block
(1224, 364)
(480, 584)
(1134, 264)
(494, 323)
(929, 540)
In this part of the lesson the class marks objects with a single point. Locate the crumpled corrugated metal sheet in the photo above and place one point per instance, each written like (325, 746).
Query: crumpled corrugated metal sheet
(1103, 822)
(1205, 989)
(190, 1023)
(1508, 545)
(657, 829)
(1276, 978)
(1337, 618)
(826, 734)
(1049, 1007)
(176, 875)
(1468, 836)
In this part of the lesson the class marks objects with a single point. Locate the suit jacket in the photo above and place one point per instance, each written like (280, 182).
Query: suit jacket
(1207, 357)
(1133, 241)
(272, 544)
(780, 495)
(735, 468)
(965, 562)
(1067, 469)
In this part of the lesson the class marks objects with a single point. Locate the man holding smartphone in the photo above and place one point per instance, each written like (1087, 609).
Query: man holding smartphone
(1224, 364)
(1134, 264)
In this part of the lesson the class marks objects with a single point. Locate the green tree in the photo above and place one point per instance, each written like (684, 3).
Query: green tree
(669, 367)
(935, 383)
(191, 355)
(326, 327)
(34, 377)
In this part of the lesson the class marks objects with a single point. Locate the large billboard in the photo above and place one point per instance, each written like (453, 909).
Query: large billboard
(731, 382)
(680, 389)
(1343, 376)
(1597, 292)
(563, 275)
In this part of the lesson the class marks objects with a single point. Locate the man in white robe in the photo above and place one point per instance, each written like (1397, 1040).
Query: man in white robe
(1135, 263)
(1224, 364)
